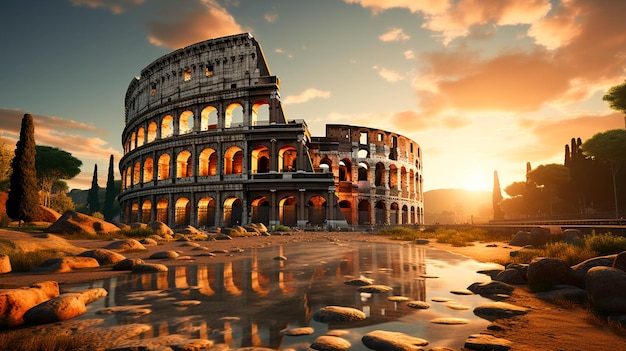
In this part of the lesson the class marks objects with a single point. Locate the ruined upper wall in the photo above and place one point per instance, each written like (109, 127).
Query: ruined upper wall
(204, 68)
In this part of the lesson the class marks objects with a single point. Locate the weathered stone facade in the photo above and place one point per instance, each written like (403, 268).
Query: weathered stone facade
(207, 143)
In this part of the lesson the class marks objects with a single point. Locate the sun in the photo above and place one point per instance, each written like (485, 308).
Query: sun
(475, 181)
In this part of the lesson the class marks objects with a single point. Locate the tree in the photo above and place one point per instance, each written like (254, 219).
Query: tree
(53, 164)
(609, 147)
(616, 97)
(93, 199)
(553, 177)
(109, 196)
(23, 201)
(496, 197)
(6, 155)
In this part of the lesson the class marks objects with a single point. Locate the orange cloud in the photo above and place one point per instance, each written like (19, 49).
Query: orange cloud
(394, 34)
(305, 96)
(115, 6)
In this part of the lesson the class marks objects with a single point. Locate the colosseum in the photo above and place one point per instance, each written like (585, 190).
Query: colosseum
(207, 144)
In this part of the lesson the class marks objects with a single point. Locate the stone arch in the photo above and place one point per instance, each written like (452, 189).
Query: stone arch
(363, 153)
(381, 212)
(146, 211)
(208, 118)
(345, 170)
(134, 212)
(405, 214)
(141, 137)
(207, 165)
(287, 156)
(379, 174)
(346, 209)
(152, 132)
(206, 212)
(412, 215)
(182, 211)
(233, 160)
(148, 170)
(136, 173)
(261, 113)
(394, 213)
(363, 175)
(234, 116)
(317, 210)
(403, 181)
(364, 212)
(411, 182)
(163, 168)
(261, 210)
(233, 212)
(133, 141)
(127, 181)
(185, 122)
(288, 211)
(326, 165)
(393, 176)
(167, 126)
(260, 161)
(162, 211)
(183, 164)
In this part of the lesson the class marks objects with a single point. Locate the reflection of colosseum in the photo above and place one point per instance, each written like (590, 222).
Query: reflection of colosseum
(207, 144)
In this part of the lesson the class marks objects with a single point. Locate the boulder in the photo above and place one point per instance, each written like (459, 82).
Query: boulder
(620, 261)
(496, 310)
(419, 305)
(137, 225)
(330, 343)
(60, 308)
(579, 271)
(127, 264)
(510, 276)
(149, 268)
(362, 281)
(160, 228)
(491, 288)
(65, 264)
(91, 295)
(375, 289)
(126, 245)
(338, 314)
(103, 256)
(540, 236)
(148, 242)
(572, 236)
(484, 342)
(72, 222)
(5, 264)
(15, 302)
(298, 331)
(164, 255)
(521, 238)
(47, 214)
(546, 272)
(382, 340)
(606, 287)
(187, 230)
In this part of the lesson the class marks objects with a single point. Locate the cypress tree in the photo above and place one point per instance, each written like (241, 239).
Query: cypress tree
(109, 197)
(496, 197)
(93, 200)
(23, 201)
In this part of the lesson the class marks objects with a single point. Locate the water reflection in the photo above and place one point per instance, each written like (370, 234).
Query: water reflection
(248, 302)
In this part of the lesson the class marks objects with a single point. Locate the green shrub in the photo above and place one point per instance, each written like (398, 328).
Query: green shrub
(26, 261)
(572, 254)
(98, 215)
(605, 244)
(282, 228)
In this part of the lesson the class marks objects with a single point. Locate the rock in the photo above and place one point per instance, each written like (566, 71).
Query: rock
(381, 340)
(491, 288)
(561, 292)
(458, 307)
(521, 238)
(510, 276)
(461, 292)
(149, 268)
(47, 214)
(546, 272)
(223, 237)
(422, 241)
(572, 236)
(164, 255)
(620, 261)
(482, 342)
(91, 295)
(15, 302)
(280, 258)
(60, 308)
(5, 264)
(579, 271)
(496, 310)
(420, 305)
(375, 288)
(187, 230)
(65, 264)
(330, 343)
(490, 272)
(148, 241)
(397, 298)
(449, 321)
(103, 256)
(606, 287)
(164, 343)
(160, 228)
(127, 264)
(72, 222)
(360, 281)
(298, 331)
(137, 225)
(126, 245)
(540, 236)
(338, 314)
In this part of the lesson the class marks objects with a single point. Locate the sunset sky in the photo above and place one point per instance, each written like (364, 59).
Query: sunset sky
(481, 85)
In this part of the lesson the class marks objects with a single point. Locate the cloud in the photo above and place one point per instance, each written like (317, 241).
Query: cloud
(115, 6)
(270, 17)
(182, 23)
(306, 95)
(388, 74)
(394, 34)
(409, 55)
(415, 6)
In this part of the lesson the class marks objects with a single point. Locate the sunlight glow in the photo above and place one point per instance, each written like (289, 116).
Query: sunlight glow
(475, 180)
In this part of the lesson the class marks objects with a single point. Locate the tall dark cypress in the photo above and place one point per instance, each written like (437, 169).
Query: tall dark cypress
(496, 197)
(93, 200)
(23, 201)
(109, 197)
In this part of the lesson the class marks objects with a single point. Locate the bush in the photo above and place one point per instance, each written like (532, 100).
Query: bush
(98, 215)
(26, 261)
(572, 254)
(400, 233)
(282, 228)
(605, 244)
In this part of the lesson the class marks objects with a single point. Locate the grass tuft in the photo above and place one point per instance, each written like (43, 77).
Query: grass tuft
(26, 261)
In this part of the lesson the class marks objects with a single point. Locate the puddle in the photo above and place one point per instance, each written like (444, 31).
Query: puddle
(252, 301)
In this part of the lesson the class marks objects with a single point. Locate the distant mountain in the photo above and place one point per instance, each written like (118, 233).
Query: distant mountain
(450, 206)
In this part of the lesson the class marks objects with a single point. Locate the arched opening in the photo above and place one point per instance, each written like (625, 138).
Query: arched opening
(381, 213)
(345, 170)
(317, 210)
(233, 160)
(393, 177)
(208, 118)
(411, 183)
(185, 122)
(346, 209)
(287, 156)
(164, 167)
(412, 215)
(161, 214)
(146, 209)
(127, 181)
(207, 162)
(364, 212)
(182, 213)
(134, 213)
(260, 160)
(393, 214)
(133, 141)
(148, 170)
(363, 153)
(233, 212)
(234, 116)
(379, 174)
(403, 184)
(261, 210)
(206, 212)
(183, 164)
(326, 165)
(152, 132)
(288, 211)
(141, 135)
(363, 172)
(260, 113)
(405, 214)
(136, 173)
(167, 127)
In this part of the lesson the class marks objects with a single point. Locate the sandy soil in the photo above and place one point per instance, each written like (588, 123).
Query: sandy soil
(547, 327)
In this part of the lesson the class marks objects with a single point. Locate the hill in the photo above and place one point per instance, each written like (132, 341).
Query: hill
(454, 206)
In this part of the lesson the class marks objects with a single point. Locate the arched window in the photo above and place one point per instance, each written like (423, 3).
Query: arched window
(136, 173)
(206, 212)
(233, 160)
(183, 164)
(146, 208)
(260, 113)
(345, 170)
(234, 116)
(167, 127)
(133, 141)
(207, 162)
(152, 132)
(379, 175)
(148, 170)
(363, 171)
(182, 211)
(317, 210)
(164, 167)
(185, 122)
(287, 156)
(208, 118)
(260, 160)
(326, 165)
(161, 215)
